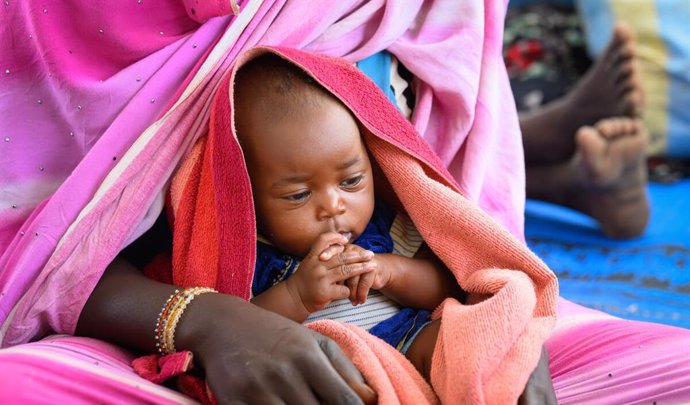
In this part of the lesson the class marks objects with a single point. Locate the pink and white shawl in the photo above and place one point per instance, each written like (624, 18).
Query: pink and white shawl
(101, 100)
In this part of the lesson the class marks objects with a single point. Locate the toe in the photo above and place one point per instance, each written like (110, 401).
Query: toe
(592, 150)
(636, 102)
(623, 33)
(608, 128)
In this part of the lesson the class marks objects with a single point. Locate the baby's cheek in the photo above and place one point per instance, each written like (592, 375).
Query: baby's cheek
(302, 237)
(364, 216)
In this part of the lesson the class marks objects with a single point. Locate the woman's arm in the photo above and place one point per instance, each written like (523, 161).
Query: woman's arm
(123, 308)
(248, 354)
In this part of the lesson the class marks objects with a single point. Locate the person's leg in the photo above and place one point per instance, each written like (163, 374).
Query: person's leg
(76, 370)
(596, 358)
(606, 178)
(611, 87)
(422, 349)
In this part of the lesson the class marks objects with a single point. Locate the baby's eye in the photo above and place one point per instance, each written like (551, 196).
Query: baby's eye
(301, 196)
(352, 181)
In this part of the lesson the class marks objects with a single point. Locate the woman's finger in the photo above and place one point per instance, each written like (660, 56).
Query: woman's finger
(294, 388)
(353, 390)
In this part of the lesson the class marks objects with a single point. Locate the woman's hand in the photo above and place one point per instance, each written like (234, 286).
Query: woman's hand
(539, 389)
(249, 354)
(321, 274)
(254, 356)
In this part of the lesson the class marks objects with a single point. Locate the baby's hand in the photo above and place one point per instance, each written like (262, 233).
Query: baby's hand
(320, 276)
(360, 285)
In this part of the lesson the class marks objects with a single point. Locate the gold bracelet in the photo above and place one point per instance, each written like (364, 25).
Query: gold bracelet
(162, 319)
(175, 313)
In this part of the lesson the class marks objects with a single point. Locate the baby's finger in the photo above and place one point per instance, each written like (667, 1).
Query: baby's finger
(352, 284)
(339, 292)
(331, 252)
(349, 257)
(345, 271)
(327, 240)
(365, 283)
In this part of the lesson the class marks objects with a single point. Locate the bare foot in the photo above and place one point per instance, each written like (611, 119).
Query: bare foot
(611, 87)
(606, 178)
(613, 174)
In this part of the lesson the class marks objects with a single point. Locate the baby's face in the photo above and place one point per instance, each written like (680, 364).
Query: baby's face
(310, 175)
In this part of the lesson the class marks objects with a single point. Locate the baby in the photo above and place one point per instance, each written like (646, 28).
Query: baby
(328, 247)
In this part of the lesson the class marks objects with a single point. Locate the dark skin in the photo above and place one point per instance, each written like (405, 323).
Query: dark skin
(539, 388)
(125, 305)
(249, 355)
(314, 192)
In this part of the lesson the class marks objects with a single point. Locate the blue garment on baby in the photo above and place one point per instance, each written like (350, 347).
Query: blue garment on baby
(274, 266)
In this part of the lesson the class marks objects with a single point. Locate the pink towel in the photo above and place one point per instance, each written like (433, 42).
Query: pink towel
(485, 352)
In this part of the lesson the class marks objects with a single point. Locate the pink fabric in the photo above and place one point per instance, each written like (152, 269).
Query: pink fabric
(98, 92)
(102, 81)
(73, 370)
(485, 352)
(598, 359)
(386, 370)
(648, 363)
(159, 369)
(86, 76)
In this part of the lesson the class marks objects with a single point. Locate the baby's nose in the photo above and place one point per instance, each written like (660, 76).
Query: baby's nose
(333, 205)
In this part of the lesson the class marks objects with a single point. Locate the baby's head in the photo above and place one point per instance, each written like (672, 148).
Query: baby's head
(308, 165)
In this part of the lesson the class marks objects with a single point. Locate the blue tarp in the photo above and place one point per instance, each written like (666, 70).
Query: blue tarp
(646, 278)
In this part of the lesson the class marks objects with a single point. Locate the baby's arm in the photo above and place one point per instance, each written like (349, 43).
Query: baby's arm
(419, 282)
(279, 300)
(316, 282)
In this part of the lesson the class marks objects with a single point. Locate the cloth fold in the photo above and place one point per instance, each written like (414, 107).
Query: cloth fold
(86, 167)
(485, 352)
(126, 95)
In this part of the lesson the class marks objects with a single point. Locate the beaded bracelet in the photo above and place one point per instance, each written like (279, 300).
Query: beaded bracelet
(162, 320)
(170, 315)
(176, 313)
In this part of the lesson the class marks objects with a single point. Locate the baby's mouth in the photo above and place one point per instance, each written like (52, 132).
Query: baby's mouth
(347, 235)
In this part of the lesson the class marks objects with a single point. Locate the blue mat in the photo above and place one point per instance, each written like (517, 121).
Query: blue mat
(647, 278)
